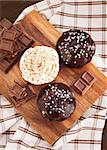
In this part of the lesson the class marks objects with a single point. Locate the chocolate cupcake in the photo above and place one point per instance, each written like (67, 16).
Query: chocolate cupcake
(56, 102)
(76, 48)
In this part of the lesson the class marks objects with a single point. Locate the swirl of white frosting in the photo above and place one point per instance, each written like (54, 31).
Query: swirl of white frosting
(39, 65)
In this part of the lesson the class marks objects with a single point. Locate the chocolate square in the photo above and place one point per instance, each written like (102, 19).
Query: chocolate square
(80, 86)
(9, 35)
(8, 62)
(6, 45)
(5, 23)
(88, 78)
(17, 91)
(20, 94)
(25, 40)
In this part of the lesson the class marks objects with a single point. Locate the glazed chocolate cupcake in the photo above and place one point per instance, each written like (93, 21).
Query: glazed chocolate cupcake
(56, 102)
(76, 48)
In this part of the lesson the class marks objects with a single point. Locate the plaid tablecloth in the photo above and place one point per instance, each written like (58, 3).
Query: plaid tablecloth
(86, 133)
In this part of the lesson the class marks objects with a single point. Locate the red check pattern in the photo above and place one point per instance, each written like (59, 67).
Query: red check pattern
(86, 133)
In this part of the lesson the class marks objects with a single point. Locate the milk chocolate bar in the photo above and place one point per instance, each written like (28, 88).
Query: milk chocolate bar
(5, 23)
(84, 82)
(88, 78)
(20, 94)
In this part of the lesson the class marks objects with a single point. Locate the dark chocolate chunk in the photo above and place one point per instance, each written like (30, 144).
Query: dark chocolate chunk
(88, 78)
(9, 35)
(5, 23)
(56, 102)
(20, 94)
(80, 86)
(6, 45)
(76, 48)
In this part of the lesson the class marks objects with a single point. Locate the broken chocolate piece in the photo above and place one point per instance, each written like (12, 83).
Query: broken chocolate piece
(84, 82)
(20, 94)
(6, 45)
(8, 62)
(21, 46)
(5, 23)
(25, 40)
(9, 35)
(4, 65)
(80, 86)
(18, 91)
(88, 78)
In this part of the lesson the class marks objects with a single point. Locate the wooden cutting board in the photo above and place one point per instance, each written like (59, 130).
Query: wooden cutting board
(45, 34)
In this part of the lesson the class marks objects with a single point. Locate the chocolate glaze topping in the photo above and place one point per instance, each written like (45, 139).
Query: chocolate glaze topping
(76, 48)
(56, 102)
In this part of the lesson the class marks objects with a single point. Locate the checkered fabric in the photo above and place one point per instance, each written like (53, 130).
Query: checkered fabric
(86, 133)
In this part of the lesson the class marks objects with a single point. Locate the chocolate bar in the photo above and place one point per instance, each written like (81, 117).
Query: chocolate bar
(9, 35)
(13, 43)
(20, 94)
(88, 78)
(5, 23)
(84, 82)
(80, 86)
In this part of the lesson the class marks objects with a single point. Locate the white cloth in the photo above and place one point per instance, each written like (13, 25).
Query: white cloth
(86, 133)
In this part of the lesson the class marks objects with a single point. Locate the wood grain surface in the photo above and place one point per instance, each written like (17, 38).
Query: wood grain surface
(45, 34)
